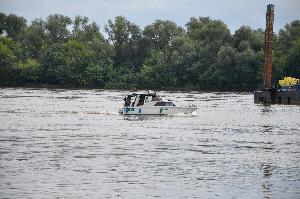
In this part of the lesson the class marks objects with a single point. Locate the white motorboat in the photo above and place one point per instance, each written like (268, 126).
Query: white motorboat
(151, 104)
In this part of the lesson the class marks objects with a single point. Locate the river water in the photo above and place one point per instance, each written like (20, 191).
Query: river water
(57, 143)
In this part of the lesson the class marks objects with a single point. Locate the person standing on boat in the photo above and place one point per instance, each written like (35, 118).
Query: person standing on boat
(127, 100)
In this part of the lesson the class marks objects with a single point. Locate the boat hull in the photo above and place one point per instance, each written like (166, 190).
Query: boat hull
(156, 110)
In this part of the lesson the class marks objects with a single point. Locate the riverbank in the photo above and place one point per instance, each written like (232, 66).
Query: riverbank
(73, 87)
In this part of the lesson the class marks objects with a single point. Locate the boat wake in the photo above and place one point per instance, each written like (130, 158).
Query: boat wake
(89, 112)
(103, 113)
(155, 117)
(193, 114)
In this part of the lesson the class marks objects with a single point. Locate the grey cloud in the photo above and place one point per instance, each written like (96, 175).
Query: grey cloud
(143, 12)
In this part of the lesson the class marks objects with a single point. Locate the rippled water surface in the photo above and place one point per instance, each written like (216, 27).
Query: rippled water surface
(74, 144)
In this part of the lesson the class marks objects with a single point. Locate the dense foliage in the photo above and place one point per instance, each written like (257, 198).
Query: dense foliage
(163, 55)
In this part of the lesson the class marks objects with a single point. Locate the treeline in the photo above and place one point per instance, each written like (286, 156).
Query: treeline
(163, 55)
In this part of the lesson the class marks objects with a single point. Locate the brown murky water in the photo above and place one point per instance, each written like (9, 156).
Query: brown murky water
(74, 144)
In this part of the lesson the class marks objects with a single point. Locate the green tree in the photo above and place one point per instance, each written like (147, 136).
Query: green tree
(285, 51)
(209, 36)
(160, 33)
(103, 52)
(182, 55)
(86, 32)
(2, 23)
(288, 35)
(208, 30)
(225, 74)
(76, 57)
(33, 38)
(101, 71)
(51, 60)
(30, 71)
(14, 25)
(245, 35)
(293, 59)
(156, 72)
(126, 38)
(247, 69)
(9, 56)
(57, 26)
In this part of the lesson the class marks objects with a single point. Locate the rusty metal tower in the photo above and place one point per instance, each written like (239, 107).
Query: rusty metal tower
(268, 47)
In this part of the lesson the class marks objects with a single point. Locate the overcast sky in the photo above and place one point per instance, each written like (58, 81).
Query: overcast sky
(143, 12)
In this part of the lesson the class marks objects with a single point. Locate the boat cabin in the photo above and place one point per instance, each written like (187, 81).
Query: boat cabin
(137, 99)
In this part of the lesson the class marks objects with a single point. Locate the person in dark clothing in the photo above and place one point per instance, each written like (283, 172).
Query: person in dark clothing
(127, 101)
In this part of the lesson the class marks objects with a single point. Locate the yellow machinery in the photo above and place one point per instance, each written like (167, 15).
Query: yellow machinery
(288, 81)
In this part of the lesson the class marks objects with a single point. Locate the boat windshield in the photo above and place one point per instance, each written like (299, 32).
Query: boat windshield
(164, 104)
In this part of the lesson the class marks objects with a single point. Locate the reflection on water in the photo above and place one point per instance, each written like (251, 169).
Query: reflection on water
(73, 144)
(155, 117)
(266, 168)
(266, 181)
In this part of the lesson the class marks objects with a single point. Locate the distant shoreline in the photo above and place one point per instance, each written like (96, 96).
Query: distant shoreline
(69, 87)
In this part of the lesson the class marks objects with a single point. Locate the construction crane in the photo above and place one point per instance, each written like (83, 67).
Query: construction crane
(268, 47)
